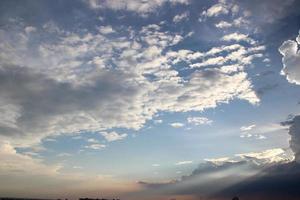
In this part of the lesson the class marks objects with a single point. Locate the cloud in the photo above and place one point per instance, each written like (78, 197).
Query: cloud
(106, 29)
(30, 29)
(140, 7)
(92, 140)
(14, 163)
(177, 124)
(247, 128)
(269, 156)
(268, 11)
(238, 37)
(212, 177)
(199, 120)
(260, 131)
(238, 22)
(186, 162)
(251, 175)
(113, 136)
(294, 131)
(180, 17)
(90, 81)
(291, 60)
(95, 146)
(277, 181)
(216, 10)
(223, 24)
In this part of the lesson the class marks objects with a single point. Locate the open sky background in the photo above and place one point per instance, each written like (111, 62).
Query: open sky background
(145, 99)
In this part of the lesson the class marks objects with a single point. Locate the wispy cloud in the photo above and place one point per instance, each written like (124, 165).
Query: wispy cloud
(199, 120)
(95, 146)
(186, 162)
(176, 124)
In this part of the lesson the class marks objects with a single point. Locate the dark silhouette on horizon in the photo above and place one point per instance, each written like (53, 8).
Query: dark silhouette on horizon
(235, 198)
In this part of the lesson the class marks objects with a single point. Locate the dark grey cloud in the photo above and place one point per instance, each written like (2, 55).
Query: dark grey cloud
(208, 179)
(294, 132)
(42, 100)
(269, 11)
(276, 182)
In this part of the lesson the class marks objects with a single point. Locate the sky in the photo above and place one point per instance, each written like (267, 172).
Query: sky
(161, 99)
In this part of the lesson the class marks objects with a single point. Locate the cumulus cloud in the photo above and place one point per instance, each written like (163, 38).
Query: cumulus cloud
(291, 60)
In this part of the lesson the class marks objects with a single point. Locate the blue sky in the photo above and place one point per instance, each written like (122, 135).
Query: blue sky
(135, 93)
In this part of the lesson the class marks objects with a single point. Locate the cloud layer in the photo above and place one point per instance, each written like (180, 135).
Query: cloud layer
(111, 77)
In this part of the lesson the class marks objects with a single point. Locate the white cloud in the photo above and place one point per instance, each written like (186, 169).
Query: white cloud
(92, 140)
(238, 37)
(238, 22)
(223, 24)
(261, 131)
(253, 136)
(141, 7)
(267, 156)
(30, 29)
(176, 125)
(291, 60)
(106, 29)
(247, 128)
(216, 10)
(186, 162)
(180, 17)
(219, 161)
(13, 163)
(113, 136)
(95, 146)
(199, 120)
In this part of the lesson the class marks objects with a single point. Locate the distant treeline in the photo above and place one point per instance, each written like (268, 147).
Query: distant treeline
(12, 198)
